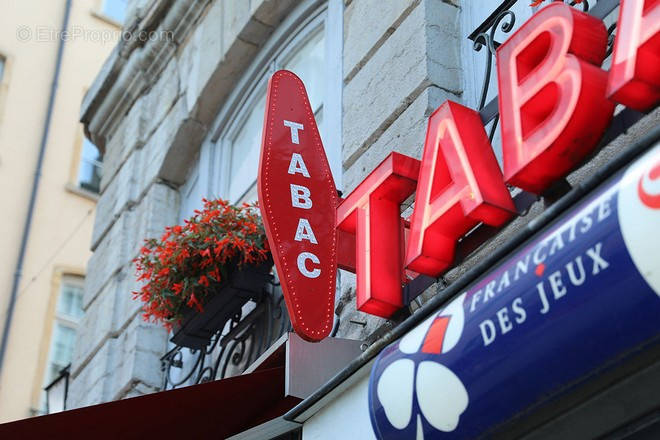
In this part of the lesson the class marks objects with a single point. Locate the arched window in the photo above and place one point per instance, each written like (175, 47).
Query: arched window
(309, 43)
(310, 54)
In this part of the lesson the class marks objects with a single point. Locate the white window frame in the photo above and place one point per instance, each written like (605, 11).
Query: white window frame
(299, 25)
(473, 63)
(191, 193)
(66, 321)
(223, 151)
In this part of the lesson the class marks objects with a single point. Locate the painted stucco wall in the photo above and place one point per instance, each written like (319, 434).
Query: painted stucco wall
(62, 224)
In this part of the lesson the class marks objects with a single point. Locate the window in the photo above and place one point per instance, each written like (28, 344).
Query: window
(2, 67)
(89, 171)
(115, 9)
(245, 148)
(191, 194)
(312, 51)
(307, 60)
(67, 317)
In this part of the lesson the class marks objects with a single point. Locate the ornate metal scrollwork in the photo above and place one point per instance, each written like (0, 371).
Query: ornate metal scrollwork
(503, 20)
(584, 4)
(611, 34)
(232, 349)
(507, 20)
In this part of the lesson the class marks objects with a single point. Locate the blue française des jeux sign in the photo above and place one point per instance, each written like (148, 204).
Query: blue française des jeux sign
(579, 297)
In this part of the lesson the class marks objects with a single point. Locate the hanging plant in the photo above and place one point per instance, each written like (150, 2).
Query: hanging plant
(187, 265)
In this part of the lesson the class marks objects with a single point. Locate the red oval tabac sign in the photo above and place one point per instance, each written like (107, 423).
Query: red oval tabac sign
(298, 201)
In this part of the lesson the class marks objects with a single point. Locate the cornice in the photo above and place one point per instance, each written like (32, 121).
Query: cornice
(134, 65)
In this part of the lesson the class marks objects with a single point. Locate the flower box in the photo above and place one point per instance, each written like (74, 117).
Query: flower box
(198, 275)
(242, 285)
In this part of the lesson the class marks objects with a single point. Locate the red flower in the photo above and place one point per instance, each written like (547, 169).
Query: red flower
(192, 302)
(179, 268)
(215, 273)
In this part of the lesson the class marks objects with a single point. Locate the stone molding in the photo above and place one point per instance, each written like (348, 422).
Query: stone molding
(133, 66)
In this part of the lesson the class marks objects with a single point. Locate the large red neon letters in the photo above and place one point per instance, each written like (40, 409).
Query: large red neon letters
(460, 185)
(553, 110)
(635, 73)
(548, 77)
(554, 101)
(372, 213)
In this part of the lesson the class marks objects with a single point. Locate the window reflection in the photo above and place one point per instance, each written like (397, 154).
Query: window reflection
(89, 172)
(308, 62)
(115, 9)
(245, 151)
(68, 314)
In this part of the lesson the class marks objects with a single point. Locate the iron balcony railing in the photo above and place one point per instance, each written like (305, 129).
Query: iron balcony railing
(248, 334)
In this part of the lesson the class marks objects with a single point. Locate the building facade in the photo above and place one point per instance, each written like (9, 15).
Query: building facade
(48, 58)
(178, 118)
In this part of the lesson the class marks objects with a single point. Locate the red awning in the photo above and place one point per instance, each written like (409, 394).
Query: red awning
(211, 410)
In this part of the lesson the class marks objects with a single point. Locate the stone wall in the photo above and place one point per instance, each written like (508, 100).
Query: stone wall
(148, 111)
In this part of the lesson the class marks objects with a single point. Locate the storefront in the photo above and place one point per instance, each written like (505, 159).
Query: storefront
(495, 276)
(558, 339)
(553, 329)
